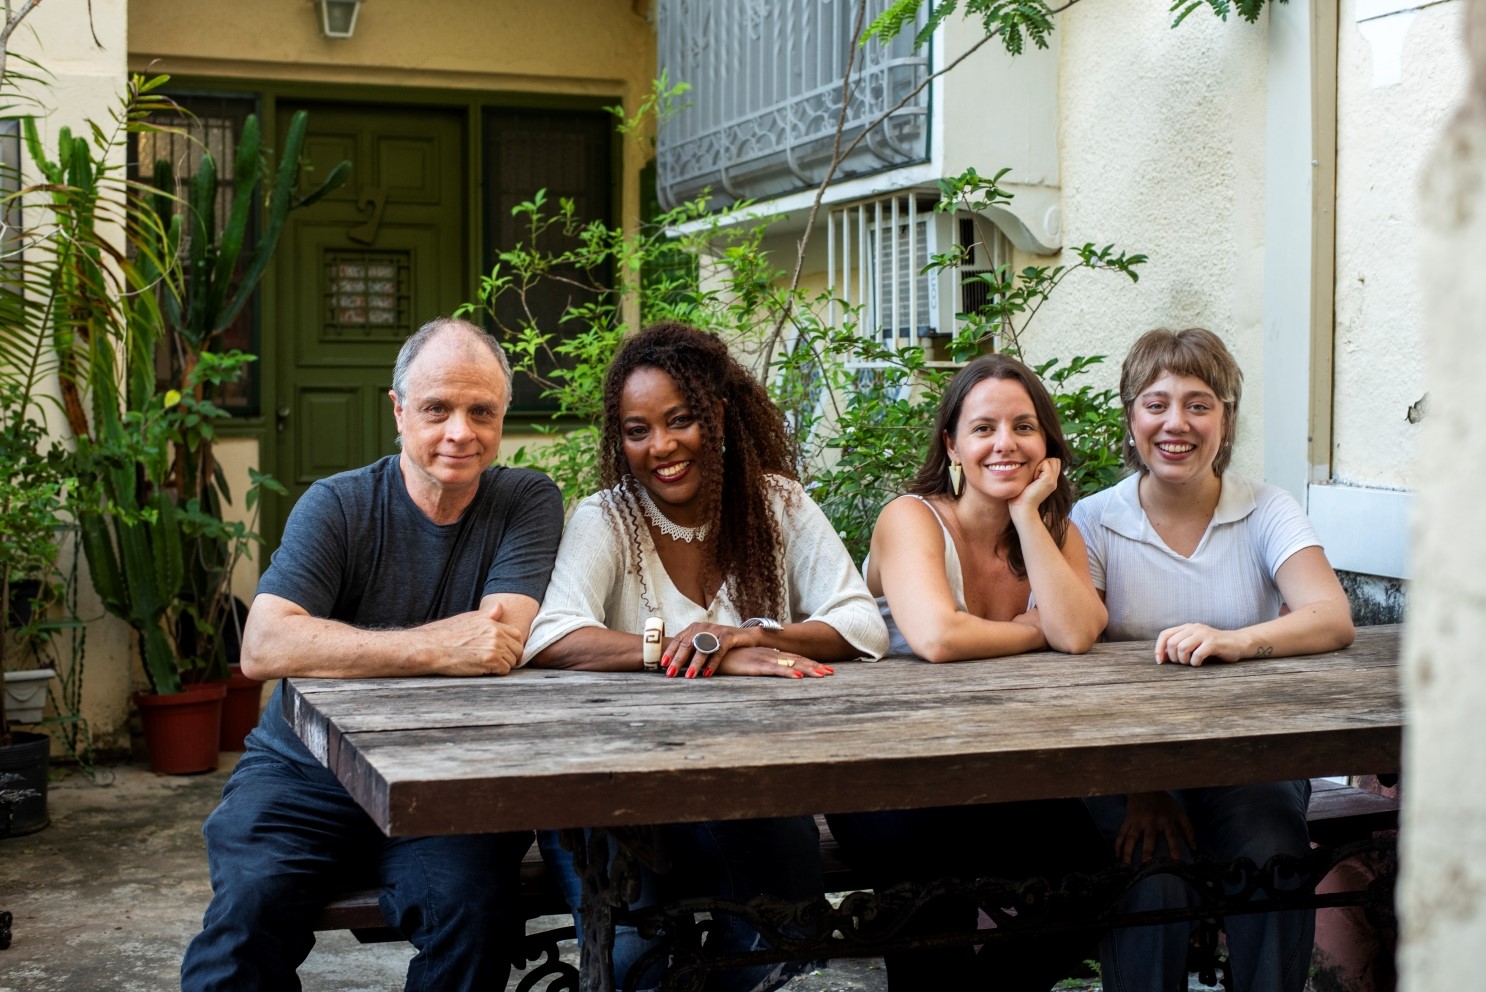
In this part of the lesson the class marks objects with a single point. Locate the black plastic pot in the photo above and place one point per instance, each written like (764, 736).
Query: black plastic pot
(25, 758)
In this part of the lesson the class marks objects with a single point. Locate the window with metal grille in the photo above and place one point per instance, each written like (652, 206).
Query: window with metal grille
(210, 122)
(367, 295)
(877, 251)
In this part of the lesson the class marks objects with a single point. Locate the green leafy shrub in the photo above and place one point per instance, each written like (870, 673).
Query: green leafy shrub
(860, 413)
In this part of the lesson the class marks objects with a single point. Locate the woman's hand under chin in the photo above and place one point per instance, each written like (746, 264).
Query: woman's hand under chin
(1044, 483)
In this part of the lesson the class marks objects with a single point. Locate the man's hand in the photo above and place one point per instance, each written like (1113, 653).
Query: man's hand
(474, 643)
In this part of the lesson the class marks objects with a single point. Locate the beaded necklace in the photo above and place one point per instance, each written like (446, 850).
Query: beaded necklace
(665, 524)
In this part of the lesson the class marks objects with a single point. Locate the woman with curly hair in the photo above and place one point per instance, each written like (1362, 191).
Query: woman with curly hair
(702, 524)
(956, 564)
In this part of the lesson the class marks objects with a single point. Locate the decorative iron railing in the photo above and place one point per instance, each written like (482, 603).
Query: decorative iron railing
(766, 95)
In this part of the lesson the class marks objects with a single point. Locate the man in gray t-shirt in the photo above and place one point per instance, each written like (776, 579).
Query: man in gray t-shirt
(430, 562)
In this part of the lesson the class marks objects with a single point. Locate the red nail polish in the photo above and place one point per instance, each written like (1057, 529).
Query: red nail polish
(691, 673)
(708, 672)
(671, 672)
(665, 659)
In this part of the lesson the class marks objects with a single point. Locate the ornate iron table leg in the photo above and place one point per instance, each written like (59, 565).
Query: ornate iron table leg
(608, 862)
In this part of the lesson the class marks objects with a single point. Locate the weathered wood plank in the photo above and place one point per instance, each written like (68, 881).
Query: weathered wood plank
(563, 749)
(534, 697)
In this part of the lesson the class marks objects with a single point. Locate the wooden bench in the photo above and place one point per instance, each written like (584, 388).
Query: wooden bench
(359, 912)
(1337, 813)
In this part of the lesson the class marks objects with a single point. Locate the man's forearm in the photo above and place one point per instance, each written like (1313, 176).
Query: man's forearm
(312, 647)
(281, 640)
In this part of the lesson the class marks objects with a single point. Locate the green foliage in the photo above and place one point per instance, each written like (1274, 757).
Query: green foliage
(150, 496)
(1249, 10)
(1014, 21)
(661, 104)
(860, 413)
(618, 282)
(162, 559)
(1017, 21)
(34, 481)
(1093, 423)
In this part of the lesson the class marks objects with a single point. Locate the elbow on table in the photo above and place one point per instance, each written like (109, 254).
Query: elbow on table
(933, 648)
(258, 653)
(1076, 642)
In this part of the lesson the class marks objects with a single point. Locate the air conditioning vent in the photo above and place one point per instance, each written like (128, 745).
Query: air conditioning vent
(877, 251)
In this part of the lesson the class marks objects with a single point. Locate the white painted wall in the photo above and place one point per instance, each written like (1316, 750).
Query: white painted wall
(1399, 77)
(1442, 888)
(1162, 152)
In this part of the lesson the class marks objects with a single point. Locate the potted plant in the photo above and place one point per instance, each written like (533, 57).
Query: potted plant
(33, 487)
(159, 550)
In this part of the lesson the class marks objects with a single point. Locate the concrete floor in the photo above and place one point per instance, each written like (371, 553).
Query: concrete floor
(106, 898)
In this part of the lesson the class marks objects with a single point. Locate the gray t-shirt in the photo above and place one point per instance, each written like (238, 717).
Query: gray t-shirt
(358, 550)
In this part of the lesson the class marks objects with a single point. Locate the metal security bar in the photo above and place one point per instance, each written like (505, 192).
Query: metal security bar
(765, 96)
(876, 252)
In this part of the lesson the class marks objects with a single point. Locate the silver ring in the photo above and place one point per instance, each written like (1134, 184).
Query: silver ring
(705, 642)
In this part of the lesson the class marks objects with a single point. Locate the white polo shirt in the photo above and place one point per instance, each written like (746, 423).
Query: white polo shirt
(1228, 583)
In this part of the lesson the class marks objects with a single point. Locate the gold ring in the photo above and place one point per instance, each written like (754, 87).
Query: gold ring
(787, 662)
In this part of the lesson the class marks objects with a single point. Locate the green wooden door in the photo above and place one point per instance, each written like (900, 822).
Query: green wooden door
(356, 274)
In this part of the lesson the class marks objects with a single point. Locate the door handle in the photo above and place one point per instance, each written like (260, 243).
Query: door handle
(281, 418)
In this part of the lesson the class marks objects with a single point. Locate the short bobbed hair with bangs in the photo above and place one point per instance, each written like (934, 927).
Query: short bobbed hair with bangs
(1194, 352)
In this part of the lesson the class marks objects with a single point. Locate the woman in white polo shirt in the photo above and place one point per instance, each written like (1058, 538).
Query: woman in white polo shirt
(1213, 567)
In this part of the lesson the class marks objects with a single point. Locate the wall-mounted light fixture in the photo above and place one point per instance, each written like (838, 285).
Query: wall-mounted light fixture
(338, 17)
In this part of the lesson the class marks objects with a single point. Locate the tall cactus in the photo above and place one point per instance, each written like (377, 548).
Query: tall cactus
(155, 541)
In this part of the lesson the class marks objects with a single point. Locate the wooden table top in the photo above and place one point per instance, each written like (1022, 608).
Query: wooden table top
(564, 749)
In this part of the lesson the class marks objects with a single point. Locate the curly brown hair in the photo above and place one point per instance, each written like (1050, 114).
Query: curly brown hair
(933, 476)
(745, 548)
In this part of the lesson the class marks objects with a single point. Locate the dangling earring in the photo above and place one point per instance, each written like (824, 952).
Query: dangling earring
(956, 479)
(1130, 440)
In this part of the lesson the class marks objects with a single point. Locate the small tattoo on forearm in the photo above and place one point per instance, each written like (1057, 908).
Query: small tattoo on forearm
(1265, 651)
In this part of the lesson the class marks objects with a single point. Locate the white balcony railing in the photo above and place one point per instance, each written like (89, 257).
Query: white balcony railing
(766, 96)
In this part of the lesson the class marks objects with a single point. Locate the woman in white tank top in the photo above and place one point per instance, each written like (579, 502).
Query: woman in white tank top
(956, 564)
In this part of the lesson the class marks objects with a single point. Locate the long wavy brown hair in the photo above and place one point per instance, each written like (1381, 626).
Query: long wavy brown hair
(744, 443)
(933, 476)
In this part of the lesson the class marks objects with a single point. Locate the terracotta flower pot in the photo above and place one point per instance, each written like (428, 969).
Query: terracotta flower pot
(182, 729)
(240, 710)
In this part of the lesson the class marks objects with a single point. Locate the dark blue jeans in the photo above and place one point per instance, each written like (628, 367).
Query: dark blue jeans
(286, 838)
(734, 860)
(1048, 838)
(1268, 952)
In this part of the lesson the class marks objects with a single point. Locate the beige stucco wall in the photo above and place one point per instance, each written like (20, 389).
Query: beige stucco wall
(84, 82)
(1442, 887)
(1398, 79)
(1162, 152)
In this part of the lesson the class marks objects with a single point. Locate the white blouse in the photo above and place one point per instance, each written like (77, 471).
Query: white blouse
(595, 581)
